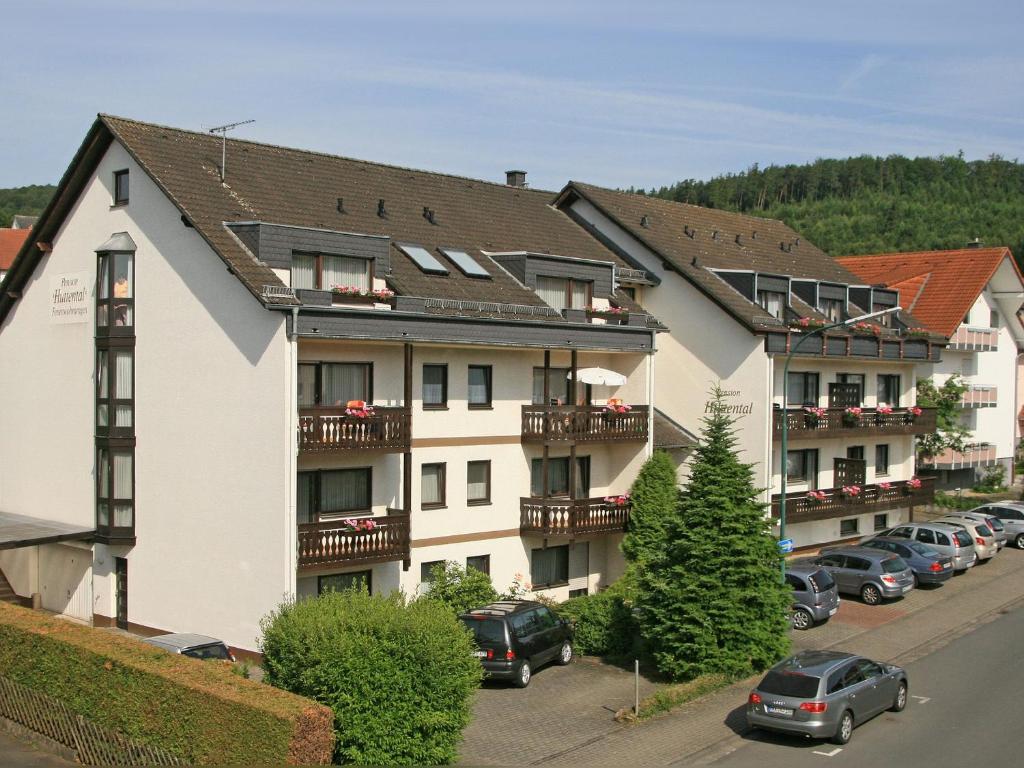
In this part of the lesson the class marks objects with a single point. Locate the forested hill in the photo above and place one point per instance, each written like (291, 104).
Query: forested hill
(874, 204)
(27, 200)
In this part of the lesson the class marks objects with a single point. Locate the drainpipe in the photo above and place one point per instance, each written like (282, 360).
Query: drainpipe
(291, 519)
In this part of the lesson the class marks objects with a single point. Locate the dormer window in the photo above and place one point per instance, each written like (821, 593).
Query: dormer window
(325, 272)
(562, 293)
(832, 309)
(772, 302)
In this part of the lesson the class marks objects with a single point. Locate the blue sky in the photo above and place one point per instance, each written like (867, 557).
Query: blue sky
(620, 94)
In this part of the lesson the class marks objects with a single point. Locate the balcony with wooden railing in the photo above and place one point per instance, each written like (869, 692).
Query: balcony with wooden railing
(979, 396)
(336, 543)
(573, 517)
(973, 455)
(966, 338)
(584, 423)
(837, 422)
(802, 508)
(331, 429)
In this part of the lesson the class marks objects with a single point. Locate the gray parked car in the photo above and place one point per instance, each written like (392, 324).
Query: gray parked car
(815, 596)
(993, 522)
(824, 694)
(1011, 515)
(984, 539)
(872, 574)
(941, 537)
(929, 566)
(196, 646)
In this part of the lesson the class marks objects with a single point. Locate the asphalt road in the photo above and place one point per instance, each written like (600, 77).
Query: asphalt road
(964, 710)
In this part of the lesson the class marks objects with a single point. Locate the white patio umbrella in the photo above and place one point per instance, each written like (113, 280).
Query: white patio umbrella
(599, 376)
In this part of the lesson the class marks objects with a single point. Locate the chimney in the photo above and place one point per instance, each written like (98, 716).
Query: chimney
(975, 243)
(515, 178)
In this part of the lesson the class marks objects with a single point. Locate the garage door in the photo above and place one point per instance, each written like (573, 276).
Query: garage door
(65, 580)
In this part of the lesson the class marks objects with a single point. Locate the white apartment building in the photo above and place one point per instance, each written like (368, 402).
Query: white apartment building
(972, 296)
(227, 386)
(737, 294)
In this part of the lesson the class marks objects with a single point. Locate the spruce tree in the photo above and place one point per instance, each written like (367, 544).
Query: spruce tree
(654, 499)
(713, 601)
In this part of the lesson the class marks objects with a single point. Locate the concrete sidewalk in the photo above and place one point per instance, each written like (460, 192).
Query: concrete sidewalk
(900, 631)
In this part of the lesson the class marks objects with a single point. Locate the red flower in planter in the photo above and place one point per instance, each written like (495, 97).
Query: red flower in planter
(816, 496)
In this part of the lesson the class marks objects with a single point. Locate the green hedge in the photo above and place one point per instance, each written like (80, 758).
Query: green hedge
(399, 677)
(199, 711)
(605, 625)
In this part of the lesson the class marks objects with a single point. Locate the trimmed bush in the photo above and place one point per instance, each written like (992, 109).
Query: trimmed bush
(605, 625)
(399, 677)
(461, 589)
(197, 710)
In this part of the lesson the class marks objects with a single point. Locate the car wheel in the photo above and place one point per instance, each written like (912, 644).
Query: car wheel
(523, 675)
(917, 582)
(802, 619)
(1019, 541)
(871, 595)
(845, 729)
(565, 655)
(901, 698)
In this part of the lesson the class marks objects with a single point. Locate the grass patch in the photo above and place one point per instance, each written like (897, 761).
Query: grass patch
(668, 697)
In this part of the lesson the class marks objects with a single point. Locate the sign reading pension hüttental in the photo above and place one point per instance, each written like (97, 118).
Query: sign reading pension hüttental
(736, 409)
(69, 298)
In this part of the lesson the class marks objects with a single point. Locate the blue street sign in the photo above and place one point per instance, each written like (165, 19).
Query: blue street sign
(785, 546)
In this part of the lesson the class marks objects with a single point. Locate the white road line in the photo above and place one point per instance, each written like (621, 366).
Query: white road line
(921, 699)
(833, 753)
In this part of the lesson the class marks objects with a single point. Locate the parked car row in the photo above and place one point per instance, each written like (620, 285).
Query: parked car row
(893, 562)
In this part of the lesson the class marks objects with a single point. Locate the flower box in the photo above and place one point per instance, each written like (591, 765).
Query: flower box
(851, 416)
(851, 491)
(806, 324)
(815, 497)
(618, 501)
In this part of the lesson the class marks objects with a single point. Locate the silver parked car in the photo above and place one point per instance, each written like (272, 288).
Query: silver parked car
(1011, 515)
(824, 694)
(984, 539)
(941, 537)
(195, 646)
(815, 596)
(871, 573)
(994, 524)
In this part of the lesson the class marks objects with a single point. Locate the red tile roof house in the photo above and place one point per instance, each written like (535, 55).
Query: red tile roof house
(11, 241)
(971, 296)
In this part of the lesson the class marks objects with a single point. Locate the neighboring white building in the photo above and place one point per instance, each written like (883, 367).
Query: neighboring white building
(972, 297)
(188, 361)
(733, 291)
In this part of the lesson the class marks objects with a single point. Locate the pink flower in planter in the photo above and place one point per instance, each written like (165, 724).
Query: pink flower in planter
(382, 293)
(367, 525)
(818, 413)
(619, 501)
(914, 410)
(360, 413)
(884, 410)
(851, 491)
(348, 290)
(914, 482)
(816, 496)
(885, 486)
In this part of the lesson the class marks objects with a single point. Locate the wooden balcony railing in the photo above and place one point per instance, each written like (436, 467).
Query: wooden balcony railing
(836, 423)
(978, 339)
(800, 508)
(330, 429)
(975, 455)
(335, 543)
(583, 424)
(979, 397)
(572, 517)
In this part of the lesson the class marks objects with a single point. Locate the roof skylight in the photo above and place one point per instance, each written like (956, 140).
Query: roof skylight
(465, 263)
(424, 259)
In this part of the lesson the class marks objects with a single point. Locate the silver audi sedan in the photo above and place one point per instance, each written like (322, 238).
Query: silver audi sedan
(825, 694)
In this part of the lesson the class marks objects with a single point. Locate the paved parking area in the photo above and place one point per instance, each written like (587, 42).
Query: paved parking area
(565, 716)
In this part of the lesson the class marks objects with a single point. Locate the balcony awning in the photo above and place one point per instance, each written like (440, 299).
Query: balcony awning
(599, 376)
(22, 531)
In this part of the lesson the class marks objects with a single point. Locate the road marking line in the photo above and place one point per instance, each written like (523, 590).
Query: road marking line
(833, 753)
(921, 699)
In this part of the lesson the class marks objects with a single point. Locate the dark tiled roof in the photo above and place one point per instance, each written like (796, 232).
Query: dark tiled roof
(669, 434)
(301, 188)
(694, 240)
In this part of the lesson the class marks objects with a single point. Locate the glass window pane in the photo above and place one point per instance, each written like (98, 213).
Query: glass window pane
(123, 374)
(553, 291)
(481, 563)
(123, 516)
(103, 472)
(305, 511)
(103, 277)
(122, 416)
(558, 386)
(307, 386)
(339, 582)
(122, 475)
(102, 374)
(102, 514)
(344, 272)
(580, 294)
(558, 472)
(479, 385)
(432, 484)
(303, 271)
(102, 416)
(343, 382)
(478, 480)
(434, 384)
(345, 490)
(123, 282)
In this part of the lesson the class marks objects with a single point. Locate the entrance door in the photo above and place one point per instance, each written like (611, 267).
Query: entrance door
(121, 591)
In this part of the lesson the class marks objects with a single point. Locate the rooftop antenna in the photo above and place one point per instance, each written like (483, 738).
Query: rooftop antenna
(223, 131)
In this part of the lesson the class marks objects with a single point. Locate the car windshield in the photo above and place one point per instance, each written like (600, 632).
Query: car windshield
(995, 524)
(485, 630)
(894, 565)
(821, 581)
(921, 549)
(790, 684)
(983, 530)
(212, 651)
(962, 538)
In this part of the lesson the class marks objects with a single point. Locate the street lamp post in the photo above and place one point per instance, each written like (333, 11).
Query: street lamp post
(785, 406)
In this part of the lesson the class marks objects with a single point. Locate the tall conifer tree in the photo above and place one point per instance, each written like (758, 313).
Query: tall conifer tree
(654, 500)
(713, 601)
